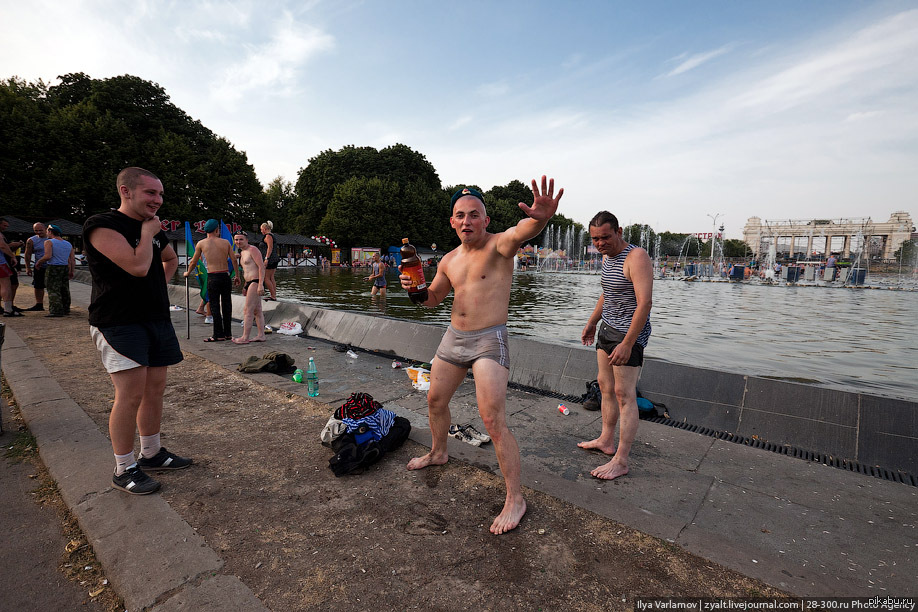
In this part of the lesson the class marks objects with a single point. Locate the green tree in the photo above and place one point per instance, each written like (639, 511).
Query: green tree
(736, 248)
(907, 252)
(317, 182)
(642, 235)
(676, 245)
(360, 213)
(63, 146)
(23, 147)
(279, 199)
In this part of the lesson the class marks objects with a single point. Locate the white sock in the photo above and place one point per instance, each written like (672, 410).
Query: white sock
(7, 307)
(123, 462)
(149, 446)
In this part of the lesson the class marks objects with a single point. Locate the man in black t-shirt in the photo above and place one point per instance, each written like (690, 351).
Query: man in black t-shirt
(130, 258)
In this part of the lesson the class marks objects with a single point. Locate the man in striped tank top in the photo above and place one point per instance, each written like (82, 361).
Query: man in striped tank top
(479, 273)
(624, 309)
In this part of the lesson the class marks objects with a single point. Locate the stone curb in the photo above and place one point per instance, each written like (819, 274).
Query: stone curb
(153, 559)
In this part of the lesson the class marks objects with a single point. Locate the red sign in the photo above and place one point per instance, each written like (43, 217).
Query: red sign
(707, 235)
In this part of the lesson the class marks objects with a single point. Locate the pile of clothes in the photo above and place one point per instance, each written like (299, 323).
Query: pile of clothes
(360, 432)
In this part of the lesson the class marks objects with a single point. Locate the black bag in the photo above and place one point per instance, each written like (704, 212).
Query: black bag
(353, 458)
(592, 399)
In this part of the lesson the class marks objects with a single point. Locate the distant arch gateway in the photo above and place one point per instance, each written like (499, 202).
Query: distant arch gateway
(819, 237)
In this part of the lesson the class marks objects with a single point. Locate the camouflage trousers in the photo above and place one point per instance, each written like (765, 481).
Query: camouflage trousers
(57, 285)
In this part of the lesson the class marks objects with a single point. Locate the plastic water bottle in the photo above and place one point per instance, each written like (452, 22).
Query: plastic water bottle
(312, 379)
(298, 375)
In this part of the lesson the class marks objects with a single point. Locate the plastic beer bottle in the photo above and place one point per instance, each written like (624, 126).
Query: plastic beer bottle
(411, 265)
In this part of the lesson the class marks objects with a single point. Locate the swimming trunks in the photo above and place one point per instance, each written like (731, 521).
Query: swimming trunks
(245, 288)
(463, 348)
(609, 338)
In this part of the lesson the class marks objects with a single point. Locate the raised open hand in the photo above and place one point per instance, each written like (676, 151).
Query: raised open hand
(544, 204)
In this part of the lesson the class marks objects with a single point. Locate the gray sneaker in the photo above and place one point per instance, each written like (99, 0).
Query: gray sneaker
(135, 482)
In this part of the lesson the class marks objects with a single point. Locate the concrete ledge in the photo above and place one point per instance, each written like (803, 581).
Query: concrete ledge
(148, 551)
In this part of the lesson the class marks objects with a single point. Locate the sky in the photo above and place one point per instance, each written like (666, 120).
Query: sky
(682, 115)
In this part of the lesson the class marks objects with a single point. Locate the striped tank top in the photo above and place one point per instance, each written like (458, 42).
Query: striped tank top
(619, 301)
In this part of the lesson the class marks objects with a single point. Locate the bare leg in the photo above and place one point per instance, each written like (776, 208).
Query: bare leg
(259, 322)
(122, 422)
(445, 378)
(39, 296)
(248, 314)
(270, 285)
(491, 393)
(610, 410)
(626, 399)
(150, 413)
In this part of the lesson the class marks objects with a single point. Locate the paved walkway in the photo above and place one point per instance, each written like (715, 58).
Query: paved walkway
(803, 527)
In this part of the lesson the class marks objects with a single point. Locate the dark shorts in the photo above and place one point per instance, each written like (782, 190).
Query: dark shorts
(38, 278)
(463, 348)
(124, 347)
(272, 264)
(609, 338)
(379, 282)
(5, 271)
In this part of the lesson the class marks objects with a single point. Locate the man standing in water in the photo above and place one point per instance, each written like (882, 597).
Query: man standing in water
(480, 271)
(378, 276)
(624, 308)
(253, 270)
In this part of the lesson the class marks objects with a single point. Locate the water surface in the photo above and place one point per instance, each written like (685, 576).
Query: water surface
(852, 339)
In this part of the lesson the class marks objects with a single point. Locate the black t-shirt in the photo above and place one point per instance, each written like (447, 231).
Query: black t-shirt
(119, 298)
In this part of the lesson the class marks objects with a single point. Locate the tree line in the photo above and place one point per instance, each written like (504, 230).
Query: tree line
(64, 144)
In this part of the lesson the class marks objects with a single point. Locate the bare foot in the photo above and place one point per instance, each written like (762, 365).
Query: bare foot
(258, 339)
(509, 517)
(241, 340)
(429, 459)
(608, 449)
(610, 471)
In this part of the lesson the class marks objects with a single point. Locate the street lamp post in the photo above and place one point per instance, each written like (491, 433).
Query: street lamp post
(713, 233)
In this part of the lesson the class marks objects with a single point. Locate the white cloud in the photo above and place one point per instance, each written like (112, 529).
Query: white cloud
(687, 62)
(275, 65)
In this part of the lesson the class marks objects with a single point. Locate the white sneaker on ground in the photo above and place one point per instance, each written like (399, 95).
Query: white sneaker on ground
(208, 320)
(456, 432)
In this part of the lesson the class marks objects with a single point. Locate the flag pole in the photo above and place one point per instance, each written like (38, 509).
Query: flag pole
(187, 309)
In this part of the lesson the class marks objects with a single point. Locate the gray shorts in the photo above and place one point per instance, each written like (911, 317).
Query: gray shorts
(463, 348)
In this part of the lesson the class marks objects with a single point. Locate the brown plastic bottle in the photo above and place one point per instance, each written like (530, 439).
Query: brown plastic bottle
(412, 266)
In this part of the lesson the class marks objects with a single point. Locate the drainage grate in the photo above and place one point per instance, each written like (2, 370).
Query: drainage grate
(798, 453)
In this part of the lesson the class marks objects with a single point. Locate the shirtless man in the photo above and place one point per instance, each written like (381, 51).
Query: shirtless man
(252, 267)
(218, 256)
(479, 271)
(624, 308)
